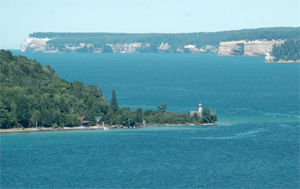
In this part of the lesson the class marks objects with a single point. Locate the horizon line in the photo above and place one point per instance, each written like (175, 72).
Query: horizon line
(298, 27)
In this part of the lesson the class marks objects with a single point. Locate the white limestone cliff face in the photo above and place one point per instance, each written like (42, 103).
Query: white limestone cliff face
(208, 49)
(229, 48)
(40, 45)
(163, 47)
(126, 48)
(180, 50)
(35, 45)
(74, 48)
(260, 48)
(249, 48)
(191, 49)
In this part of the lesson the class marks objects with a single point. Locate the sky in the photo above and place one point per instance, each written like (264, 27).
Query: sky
(18, 18)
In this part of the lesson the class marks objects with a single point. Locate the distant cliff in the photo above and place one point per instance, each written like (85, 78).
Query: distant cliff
(41, 45)
(247, 48)
(202, 42)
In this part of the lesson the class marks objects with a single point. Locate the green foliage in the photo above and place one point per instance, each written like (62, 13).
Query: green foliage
(107, 49)
(54, 126)
(289, 50)
(113, 102)
(213, 118)
(206, 112)
(162, 108)
(265, 33)
(208, 117)
(4, 116)
(30, 91)
(139, 115)
(196, 118)
(158, 117)
(35, 117)
(71, 120)
(163, 117)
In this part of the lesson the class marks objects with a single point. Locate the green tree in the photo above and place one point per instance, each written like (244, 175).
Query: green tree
(162, 108)
(195, 118)
(213, 118)
(54, 126)
(4, 118)
(100, 92)
(35, 117)
(206, 112)
(90, 116)
(127, 117)
(63, 106)
(113, 102)
(72, 120)
(148, 113)
(23, 111)
(139, 115)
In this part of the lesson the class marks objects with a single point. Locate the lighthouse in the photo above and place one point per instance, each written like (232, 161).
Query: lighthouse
(199, 112)
(200, 108)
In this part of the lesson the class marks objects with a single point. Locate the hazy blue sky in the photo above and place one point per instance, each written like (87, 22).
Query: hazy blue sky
(21, 17)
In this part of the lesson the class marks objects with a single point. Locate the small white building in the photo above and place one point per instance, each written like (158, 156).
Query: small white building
(199, 112)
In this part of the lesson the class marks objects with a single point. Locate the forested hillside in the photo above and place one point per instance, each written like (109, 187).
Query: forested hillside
(30, 91)
(265, 33)
(33, 95)
(178, 40)
(289, 50)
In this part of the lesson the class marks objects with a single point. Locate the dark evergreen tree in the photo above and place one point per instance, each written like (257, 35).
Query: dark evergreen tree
(139, 115)
(100, 92)
(162, 108)
(4, 118)
(113, 102)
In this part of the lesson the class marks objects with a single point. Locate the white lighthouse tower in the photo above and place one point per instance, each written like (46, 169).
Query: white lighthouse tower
(199, 112)
(200, 108)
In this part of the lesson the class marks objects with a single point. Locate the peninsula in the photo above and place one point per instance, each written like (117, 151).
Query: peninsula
(33, 96)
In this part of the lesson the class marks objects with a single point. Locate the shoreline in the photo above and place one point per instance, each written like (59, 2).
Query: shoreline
(13, 130)
(283, 61)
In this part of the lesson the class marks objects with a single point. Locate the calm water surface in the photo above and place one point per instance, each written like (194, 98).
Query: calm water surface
(256, 144)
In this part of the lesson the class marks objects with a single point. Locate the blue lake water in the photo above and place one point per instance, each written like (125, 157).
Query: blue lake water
(256, 143)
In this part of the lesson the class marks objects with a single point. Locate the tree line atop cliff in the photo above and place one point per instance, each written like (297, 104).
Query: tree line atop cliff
(34, 94)
(176, 40)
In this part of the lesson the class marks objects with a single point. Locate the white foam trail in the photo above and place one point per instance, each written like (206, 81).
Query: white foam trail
(250, 133)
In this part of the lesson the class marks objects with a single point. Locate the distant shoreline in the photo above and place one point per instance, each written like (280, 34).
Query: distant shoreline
(283, 61)
(13, 130)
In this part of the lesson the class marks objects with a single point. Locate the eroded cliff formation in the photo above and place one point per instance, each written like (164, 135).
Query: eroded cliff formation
(230, 48)
(247, 48)
(36, 45)
(41, 45)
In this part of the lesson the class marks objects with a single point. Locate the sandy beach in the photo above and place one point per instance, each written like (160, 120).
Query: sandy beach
(50, 129)
(91, 127)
